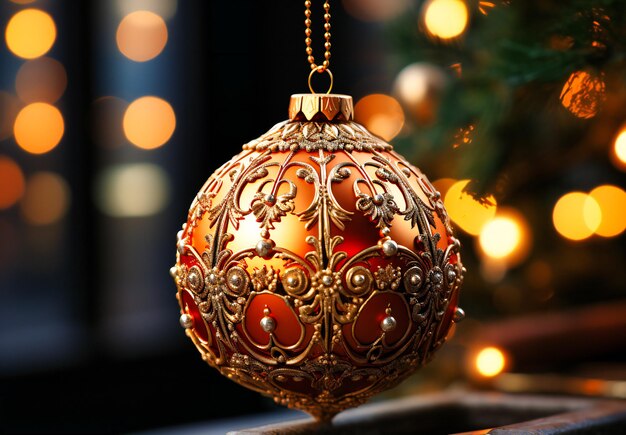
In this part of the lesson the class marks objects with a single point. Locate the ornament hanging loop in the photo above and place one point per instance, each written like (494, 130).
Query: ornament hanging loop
(321, 69)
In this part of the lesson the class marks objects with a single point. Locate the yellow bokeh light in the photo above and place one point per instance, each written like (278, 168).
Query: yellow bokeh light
(467, 212)
(612, 202)
(149, 122)
(380, 114)
(619, 149)
(582, 94)
(30, 33)
(500, 237)
(141, 35)
(446, 19)
(41, 80)
(490, 362)
(576, 216)
(38, 128)
(11, 182)
(46, 200)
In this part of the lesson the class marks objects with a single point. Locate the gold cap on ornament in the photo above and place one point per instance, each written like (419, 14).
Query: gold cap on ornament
(321, 107)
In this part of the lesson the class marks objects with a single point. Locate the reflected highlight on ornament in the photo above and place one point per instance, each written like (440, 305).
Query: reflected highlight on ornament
(46, 200)
(149, 122)
(38, 128)
(612, 202)
(133, 190)
(576, 216)
(380, 114)
(469, 213)
(505, 238)
(583, 93)
(164, 8)
(619, 150)
(9, 108)
(107, 117)
(490, 362)
(30, 33)
(41, 80)
(376, 10)
(11, 182)
(141, 36)
(445, 19)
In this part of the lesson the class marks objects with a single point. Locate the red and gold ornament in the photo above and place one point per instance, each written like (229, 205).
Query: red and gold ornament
(318, 266)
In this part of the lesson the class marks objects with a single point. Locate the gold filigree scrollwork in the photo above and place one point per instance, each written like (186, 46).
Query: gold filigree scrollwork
(326, 288)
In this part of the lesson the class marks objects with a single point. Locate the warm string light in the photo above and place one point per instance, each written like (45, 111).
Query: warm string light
(38, 128)
(41, 80)
(467, 212)
(576, 216)
(133, 190)
(618, 155)
(149, 122)
(11, 182)
(490, 361)
(380, 114)
(445, 19)
(583, 93)
(141, 36)
(30, 33)
(46, 200)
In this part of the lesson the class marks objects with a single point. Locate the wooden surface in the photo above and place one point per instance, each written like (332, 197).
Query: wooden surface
(468, 413)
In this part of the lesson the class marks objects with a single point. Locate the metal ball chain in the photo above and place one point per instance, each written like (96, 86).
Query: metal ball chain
(309, 50)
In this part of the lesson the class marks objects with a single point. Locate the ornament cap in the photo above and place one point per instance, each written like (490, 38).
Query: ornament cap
(321, 107)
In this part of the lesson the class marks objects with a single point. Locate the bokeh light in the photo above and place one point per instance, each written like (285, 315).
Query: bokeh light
(107, 118)
(11, 182)
(469, 213)
(9, 108)
(576, 216)
(380, 114)
(612, 202)
(133, 190)
(419, 87)
(149, 122)
(30, 33)
(46, 200)
(164, 8)
(375, 10)
(490, 362)
(141, 35)
(38, 128)
(445, 19)
(582, 94)
(506, 237)
(41, 80)
(619, 149)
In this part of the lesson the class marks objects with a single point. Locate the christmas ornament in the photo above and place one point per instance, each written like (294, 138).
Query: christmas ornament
(318, 266)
